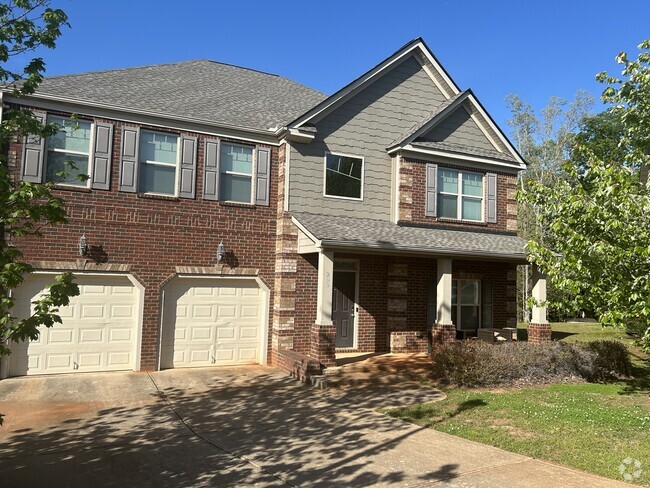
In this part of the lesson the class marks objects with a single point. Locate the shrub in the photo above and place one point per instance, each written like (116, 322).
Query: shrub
(612, 359)
(475, 363)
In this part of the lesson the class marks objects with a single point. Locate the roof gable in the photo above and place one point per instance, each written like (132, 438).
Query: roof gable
(461, 125)
(416, 48)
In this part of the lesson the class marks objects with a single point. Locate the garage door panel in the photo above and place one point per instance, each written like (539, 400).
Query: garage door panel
(56, 363)
(98, 333)
(57, 336)
(201, 333)
(198, 338)
(121, 334)
(91, 336)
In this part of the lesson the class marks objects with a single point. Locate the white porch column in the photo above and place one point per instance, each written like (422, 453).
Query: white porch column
(539, 294)
(325, 288)
(443, 316)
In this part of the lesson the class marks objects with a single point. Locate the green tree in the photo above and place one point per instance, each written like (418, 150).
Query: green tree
(545, 140)
(598, 216)
(26, 26)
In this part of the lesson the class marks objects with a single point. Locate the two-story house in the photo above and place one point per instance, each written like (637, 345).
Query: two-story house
(235, 217)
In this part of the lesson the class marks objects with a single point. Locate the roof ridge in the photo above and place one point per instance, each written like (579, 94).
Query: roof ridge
(176, 63)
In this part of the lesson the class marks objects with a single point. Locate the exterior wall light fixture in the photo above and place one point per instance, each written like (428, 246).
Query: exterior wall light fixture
(221, 251)
(83, 245)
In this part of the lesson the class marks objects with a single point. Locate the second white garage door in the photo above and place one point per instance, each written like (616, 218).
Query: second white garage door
(212, 322)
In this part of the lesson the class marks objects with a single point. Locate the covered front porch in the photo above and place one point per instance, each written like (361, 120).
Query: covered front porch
(381, 295)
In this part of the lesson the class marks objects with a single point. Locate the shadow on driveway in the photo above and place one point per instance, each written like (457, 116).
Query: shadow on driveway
(207, 427)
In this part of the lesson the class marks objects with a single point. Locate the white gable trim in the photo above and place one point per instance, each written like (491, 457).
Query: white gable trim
(360, 83)
(511, 149)
(462, 158)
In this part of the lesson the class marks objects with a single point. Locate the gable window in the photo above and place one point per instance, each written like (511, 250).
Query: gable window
(465, 304)
(236, 172)
(343, 176)
(71, 144)
(460, 195)
(158, 163)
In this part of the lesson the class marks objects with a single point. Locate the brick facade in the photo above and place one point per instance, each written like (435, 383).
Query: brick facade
(153, 235)
(412, 198)
(538, 333)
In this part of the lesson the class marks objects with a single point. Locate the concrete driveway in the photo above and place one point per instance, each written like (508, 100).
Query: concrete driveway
(249, 426)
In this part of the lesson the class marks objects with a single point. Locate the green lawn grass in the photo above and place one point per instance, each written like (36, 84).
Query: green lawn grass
(593, 427)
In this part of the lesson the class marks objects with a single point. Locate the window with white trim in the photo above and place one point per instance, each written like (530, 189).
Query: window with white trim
(466, 304)
(68, 152)
(236, 168)
(158, 163)
(460, 195)
(343, 176)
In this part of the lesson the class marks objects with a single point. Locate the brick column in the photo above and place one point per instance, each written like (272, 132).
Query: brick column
(397, 303)
(323, 333)
(539, 333)
(539, 330)
(443, 330)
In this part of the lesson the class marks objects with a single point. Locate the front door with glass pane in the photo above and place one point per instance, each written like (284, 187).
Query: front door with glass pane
(343, 305)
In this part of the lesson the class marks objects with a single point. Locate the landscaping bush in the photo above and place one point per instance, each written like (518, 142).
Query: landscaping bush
(612, 359)
(477, 363)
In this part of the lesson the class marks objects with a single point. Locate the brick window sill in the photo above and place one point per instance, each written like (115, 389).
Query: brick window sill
(236, 204)
(158, 197)
(77, 189)
(458, 221)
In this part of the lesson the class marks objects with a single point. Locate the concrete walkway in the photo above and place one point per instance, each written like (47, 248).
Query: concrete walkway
(249, 426)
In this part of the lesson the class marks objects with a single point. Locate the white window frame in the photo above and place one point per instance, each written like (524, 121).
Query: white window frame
(91, 144)
(460, 195)
(160, 163)
(363, 173)
(253, 175)
(456, 320)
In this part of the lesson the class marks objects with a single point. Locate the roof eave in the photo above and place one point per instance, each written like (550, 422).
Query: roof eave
(438, 252)
(418, 151)
(9, 97)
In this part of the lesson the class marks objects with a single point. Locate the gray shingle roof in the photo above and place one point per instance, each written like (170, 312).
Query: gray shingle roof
(349, 232)
(440, 108)
(203, 90)
(463, 149)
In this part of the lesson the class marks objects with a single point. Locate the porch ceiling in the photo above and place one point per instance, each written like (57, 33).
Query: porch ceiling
(348, 233)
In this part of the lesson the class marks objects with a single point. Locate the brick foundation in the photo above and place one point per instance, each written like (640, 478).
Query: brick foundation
(538, 333)
(408, 341)
(442, 333)
(323, 340)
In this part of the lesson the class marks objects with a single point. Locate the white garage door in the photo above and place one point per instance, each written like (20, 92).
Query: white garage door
(212, 322)
(98, 333)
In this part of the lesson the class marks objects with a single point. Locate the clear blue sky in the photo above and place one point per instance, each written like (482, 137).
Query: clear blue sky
(536, 49)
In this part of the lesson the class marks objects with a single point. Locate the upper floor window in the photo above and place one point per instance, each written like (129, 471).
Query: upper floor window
(343, 176)
(236, 179)
(68, 152)
(460, 195)
(158, 163)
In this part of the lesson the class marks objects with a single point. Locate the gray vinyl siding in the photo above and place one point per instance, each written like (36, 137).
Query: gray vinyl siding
(363, 126)
(459, 128)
